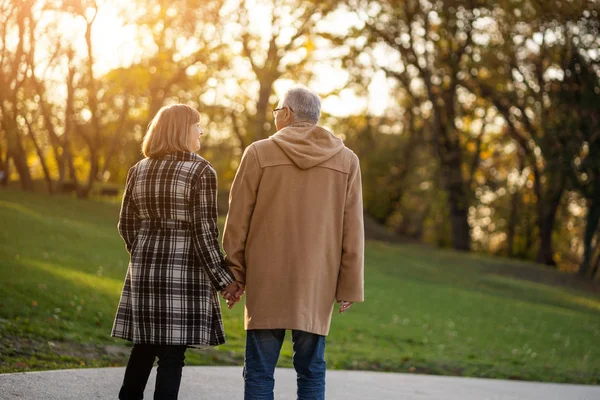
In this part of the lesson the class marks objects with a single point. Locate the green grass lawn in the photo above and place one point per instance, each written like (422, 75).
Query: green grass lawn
(62, 265)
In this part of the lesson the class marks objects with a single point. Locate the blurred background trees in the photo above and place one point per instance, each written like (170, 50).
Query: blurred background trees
(477, 122)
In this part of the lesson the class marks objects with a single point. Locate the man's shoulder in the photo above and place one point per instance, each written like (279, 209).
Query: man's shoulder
(343, 161)
(267, 153)
(348, 153)
(263, 144)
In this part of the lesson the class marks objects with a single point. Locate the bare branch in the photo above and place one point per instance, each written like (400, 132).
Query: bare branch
(93, 18)
(514, 66)
(304, 27)
(117, 134)
(404, 79)
(39, 152)
(236, 129)
(503, 106)
(4, 25)
(527, 122)
(20, 52)
(243, 20)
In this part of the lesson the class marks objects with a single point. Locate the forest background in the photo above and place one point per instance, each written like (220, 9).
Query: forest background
(476, 122)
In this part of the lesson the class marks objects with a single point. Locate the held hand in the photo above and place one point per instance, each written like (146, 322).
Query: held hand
(231, 303)
(237, 296)
(233, 293)
(240, 291)
(345, 305)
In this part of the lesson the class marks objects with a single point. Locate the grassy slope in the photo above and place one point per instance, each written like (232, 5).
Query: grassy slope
(62, 264)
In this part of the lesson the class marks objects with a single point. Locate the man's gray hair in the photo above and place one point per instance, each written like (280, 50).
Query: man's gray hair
(305, 104)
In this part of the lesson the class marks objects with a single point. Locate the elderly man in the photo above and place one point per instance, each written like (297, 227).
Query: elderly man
(294, 237)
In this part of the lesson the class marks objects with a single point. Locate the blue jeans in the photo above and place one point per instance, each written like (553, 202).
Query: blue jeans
(262, 352)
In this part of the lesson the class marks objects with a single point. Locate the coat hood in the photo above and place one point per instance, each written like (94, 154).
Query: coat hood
(307, 145)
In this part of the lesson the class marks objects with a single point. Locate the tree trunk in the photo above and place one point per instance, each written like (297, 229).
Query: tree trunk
(15, 147)
(458, 199)
(592, 221)
(157, 98)
(4, 169)
(262, 105)
(514, 208)
(545, 253)
(92, 174)
(528, 237)
(512, 224)
(115, 140)
(448, 151)
(404, 165)
(67, 155)
(55, 141)
(72, 171)
(40, 154)
(596, 266)
(20, 161)
(12, 81)
(547, 218)
(461, 233)
(94, 142)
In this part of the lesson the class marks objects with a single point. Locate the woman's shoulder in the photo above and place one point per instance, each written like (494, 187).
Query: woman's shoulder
(200, 165)
(199, 159)
(199, 168)
(192, 167)
(189, 158)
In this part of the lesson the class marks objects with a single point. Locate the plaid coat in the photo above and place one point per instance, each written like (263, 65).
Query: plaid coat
(168, 221)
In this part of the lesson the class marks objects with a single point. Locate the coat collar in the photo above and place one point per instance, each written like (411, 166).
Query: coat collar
(181, 156)
(301, 124)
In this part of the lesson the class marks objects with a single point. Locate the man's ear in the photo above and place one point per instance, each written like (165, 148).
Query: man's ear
(288, 116)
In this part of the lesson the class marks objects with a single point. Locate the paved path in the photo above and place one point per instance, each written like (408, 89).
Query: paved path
(225, 383)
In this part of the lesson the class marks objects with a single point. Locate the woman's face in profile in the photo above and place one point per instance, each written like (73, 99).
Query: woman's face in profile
(194, 134)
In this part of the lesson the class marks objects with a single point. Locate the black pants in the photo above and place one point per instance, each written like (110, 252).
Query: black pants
(168, 375)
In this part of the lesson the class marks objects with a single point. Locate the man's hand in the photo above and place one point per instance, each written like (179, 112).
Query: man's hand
(345, 305)
(233, 293)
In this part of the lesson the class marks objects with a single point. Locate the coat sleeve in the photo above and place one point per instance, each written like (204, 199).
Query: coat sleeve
(350, 284)
(129, 220)
(205, 232)
(242, 199)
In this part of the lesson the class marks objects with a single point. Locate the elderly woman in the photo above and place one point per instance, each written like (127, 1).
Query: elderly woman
(294, 236)
(168, 221)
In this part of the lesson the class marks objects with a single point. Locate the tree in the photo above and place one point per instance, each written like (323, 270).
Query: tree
(521, 59)
(434, 42)
(580, 96)
(181, 52)
(285, 52)
(17, 19)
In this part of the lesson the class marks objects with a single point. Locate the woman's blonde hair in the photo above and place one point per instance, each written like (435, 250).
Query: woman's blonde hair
(169, 129)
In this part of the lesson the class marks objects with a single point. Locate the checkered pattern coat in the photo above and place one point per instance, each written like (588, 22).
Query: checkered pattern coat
(168, 221)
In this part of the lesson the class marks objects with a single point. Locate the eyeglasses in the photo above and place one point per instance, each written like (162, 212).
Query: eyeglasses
(279, 109)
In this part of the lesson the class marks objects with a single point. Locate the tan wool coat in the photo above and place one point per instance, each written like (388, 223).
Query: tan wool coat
(294, 233)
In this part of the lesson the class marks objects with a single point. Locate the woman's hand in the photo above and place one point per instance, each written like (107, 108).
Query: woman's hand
(233, 293)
